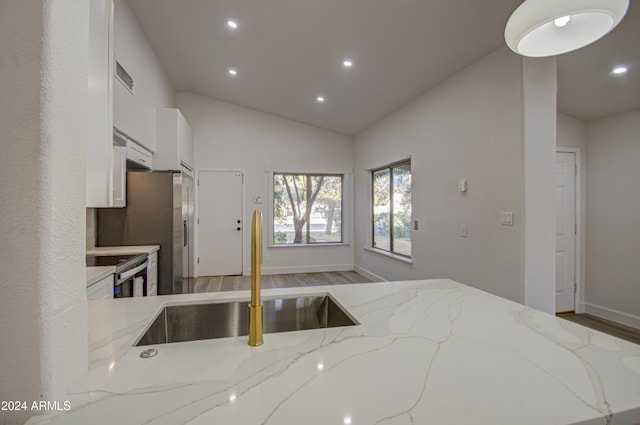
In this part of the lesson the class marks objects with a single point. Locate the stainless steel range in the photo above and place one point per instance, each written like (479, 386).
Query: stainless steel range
(130, 278)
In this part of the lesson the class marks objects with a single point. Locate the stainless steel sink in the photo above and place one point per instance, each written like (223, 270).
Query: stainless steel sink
(179, 323)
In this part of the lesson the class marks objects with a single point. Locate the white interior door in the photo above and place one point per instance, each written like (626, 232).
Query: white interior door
(565, 231)
(220, 223)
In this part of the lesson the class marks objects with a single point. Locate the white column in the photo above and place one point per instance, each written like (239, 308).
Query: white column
(43, 308)
(539, 125)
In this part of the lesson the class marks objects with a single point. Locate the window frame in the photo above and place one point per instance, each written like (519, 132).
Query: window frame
(344, 193)
(372, 246)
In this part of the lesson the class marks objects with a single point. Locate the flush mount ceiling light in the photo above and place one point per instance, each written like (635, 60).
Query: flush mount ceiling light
(347, 63)
(620, 70)
(232, 24)
(540, 28)
(320, 99)
(233, 71)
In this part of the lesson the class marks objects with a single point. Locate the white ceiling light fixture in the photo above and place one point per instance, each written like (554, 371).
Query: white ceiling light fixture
(539, 28)
(233, 71)
(320, 99)
(232, 24)
(347, 63)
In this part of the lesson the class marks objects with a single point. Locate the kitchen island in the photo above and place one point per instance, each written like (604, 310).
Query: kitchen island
(425, 352)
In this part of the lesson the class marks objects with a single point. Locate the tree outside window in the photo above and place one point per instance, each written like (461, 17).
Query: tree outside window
(392, 208)
(307, 208)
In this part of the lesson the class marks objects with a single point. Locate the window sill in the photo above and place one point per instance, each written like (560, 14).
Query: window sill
(298, 245)
(390, 255)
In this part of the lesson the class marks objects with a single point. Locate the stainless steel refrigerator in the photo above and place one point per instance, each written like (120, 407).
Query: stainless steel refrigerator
(159, 211)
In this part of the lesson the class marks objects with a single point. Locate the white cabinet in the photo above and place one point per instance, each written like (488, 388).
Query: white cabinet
(139, 155)
(119, 176)
(101, 290)
(139, 82)
(152, 274)
(99, 107)
(174, 140)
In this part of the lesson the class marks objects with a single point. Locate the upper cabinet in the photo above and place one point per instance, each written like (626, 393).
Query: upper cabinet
(99, 109)
(174, 140)
(140, 84)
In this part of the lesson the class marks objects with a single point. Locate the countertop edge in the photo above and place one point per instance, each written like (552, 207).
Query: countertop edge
(123, 250)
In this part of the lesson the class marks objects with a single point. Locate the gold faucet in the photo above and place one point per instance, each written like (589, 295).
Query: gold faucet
(255, 307)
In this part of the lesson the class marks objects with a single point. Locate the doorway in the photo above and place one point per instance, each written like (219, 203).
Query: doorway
(220, 223)
(567, 208)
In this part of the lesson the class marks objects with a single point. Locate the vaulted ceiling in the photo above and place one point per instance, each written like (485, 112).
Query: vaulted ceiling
(287, 53)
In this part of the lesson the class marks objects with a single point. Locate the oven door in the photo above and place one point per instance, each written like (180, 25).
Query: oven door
(131, 283)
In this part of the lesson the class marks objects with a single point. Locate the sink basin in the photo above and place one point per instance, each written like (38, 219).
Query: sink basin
(179, 323)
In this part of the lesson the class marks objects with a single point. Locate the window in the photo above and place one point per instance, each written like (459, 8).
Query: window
(307, 208)
(391, 199)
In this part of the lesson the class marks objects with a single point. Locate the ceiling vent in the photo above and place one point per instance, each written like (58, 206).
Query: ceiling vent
(124, 77)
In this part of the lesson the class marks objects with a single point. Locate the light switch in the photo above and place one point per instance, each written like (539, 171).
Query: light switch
(462, 185)
(257, 199)
(463, 231)
(506, 218)
(415, 224)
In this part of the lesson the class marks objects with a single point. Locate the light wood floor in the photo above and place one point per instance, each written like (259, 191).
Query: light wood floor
(606, 326)
(237, 283)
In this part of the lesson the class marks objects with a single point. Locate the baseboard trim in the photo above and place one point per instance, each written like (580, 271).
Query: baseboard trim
(613, 315)
(369, 275)
(303, 269)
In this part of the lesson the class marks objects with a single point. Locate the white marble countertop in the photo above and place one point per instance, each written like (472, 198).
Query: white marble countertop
(97, 273)
(426, 352)
(123, 250)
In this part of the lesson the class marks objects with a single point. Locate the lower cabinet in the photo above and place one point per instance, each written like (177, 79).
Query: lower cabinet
(101, 290)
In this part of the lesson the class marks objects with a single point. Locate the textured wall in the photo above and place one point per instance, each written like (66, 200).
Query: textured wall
(43, 318)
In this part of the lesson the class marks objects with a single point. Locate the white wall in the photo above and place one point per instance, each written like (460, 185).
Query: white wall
(571, 133)
(228, 136)
(468, 126)
(613, 209)
(43, 308)
(136, 114)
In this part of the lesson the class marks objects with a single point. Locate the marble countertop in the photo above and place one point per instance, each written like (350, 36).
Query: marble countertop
(97, 273)
(425, 352)
(123, 250)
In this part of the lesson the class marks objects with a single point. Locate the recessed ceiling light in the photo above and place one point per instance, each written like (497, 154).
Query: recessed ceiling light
(347, 63)
(562, 21)
(620, 70)
(233, 71)
(320, 99)
(232, 24)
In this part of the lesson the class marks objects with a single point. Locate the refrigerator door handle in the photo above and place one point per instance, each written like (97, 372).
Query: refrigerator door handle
(185, 233)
